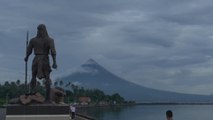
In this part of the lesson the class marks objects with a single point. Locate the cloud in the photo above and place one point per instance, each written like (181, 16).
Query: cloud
(159, 44)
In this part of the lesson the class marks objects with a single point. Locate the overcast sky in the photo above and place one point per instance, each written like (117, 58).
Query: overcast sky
(161, 44)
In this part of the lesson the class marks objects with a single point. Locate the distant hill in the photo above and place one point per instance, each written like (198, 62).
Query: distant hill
(93, 75)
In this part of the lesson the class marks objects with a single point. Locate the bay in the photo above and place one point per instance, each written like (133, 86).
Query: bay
(146, 112)
(151, 112)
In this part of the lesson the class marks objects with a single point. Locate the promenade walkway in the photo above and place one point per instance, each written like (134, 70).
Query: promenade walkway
(41, 117)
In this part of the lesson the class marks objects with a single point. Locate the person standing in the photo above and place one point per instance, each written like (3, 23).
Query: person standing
(72, 110)
(169, 115)
(42, 45)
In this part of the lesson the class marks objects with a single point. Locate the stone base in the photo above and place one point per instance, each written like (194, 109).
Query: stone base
(39, 109)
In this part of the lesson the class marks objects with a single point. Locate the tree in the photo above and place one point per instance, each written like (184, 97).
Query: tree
(56, 83)
(61, 83)
(18, 82)
(6, 83)
(116, 97)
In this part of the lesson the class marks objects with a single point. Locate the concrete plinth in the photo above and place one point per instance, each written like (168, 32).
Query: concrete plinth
(38, 109)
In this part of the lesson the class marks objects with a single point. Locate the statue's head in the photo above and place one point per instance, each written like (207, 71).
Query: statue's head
(42, 31)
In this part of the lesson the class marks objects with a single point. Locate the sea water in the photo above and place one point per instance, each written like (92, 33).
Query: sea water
(152, 112)
(146, 112)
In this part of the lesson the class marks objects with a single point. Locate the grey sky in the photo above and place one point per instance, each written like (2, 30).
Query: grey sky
(162, 44)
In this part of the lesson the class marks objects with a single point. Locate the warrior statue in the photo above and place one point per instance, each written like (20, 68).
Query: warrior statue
(42, 45)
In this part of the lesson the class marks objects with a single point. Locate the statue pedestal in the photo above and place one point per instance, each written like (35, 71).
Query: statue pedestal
(37, 109)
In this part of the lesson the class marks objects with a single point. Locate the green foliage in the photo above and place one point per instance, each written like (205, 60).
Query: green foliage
(116, 97)
(96, 95)
(10, 90)
(2, 102)
(13, 89)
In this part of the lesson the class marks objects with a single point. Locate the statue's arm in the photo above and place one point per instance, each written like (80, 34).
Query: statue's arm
(29, 50)
(53, 53)
(54, 61)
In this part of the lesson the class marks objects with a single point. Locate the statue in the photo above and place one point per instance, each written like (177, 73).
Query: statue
(42, 45)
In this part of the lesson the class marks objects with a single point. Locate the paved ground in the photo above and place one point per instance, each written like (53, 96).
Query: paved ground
(41, 117)
(2, 113)
(36, 117)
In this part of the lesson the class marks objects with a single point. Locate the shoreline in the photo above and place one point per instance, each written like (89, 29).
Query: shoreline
(148, 103)
(176, 103)
(124, 104)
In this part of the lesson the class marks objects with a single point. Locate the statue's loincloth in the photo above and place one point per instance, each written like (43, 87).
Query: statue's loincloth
(41, 66)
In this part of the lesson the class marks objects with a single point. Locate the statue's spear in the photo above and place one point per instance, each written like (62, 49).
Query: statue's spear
(26, 61)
